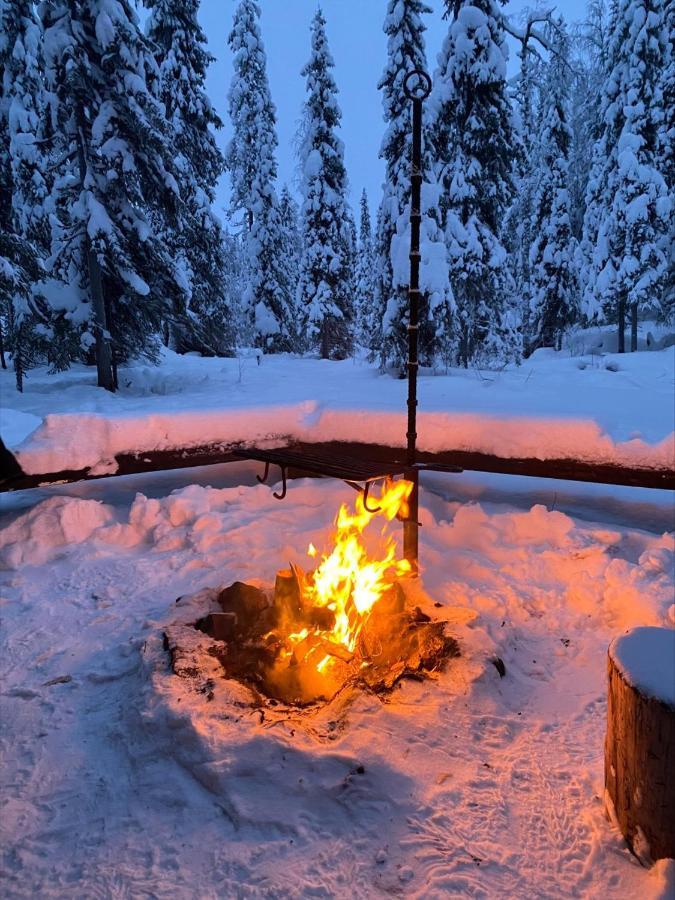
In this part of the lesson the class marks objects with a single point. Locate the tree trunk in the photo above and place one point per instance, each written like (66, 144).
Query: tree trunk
(464, 348)
(104, 369)
(113, 355)
(640, 741)
(621, 321)
(2, 347)
(633, 327)
(325, 344)
(17, 357)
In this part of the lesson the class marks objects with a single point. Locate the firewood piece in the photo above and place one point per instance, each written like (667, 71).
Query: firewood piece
(220, 626)
(419, 616)
(391, 603)
(320, 617)
(254, 616)
(288, 595)
(640, 741)
(336, 650)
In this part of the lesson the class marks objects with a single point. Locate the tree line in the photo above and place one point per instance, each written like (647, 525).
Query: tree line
(547, 198)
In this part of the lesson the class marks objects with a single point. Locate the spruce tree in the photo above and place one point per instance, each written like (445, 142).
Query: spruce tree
(196, 238)
(666, 93)
(586, 76)
(352, 257)
(475, 141)
(364, 312)
(23, 190)
(603, 159)
(324, 291)
(236, 288)
(115, 180)
(290, 258)
(553, 304)
(666, 152)
(251, 162)
(517, 231)
(404, 26)
(629, 263)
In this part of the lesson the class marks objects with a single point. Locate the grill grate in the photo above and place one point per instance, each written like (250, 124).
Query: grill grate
(346, 468)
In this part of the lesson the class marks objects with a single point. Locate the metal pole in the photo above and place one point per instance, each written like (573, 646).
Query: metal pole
(417, 87)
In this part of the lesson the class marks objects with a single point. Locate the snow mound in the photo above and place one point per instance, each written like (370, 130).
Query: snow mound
(663, 874)
(58, 522)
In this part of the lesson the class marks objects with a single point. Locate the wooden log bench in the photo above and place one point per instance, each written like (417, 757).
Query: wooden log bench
(13, 479)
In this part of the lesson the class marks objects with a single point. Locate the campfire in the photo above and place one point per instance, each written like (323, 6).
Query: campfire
(344, 621)
(347, 621)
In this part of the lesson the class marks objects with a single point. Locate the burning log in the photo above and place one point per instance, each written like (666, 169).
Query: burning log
(288, 594)
(337, 651)
(395, 641)
(346, 622)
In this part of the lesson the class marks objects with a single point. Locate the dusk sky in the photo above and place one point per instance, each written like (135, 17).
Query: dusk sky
(359, 48)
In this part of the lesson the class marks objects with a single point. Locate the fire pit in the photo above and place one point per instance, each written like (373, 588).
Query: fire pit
(346, 622)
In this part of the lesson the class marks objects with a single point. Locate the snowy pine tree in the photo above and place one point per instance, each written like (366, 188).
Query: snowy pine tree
(324, 291)
(596, 35)
(290, 258)
(251, 162)
(364, 312)
(115, 180)
(586, 76)
(666, 93)
(235, 256)
(553, 305)
(23, 190)
(474, 142)
(404, 26)
(517, 231)
(196, 238)
(352, 257)
(630, 199)
(666, 152)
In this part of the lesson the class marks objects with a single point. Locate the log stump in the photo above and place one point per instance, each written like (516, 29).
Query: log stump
(640, 741)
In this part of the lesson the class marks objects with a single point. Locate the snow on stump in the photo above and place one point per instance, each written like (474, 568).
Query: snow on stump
(640, 741)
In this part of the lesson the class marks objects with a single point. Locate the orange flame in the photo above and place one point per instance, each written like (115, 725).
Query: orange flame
(348, 581)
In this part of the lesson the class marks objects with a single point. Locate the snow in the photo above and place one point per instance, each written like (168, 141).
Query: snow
(57, 522)
(15, 426)
(313, 164)
(592, 406)
(121, 780)
(646, 658)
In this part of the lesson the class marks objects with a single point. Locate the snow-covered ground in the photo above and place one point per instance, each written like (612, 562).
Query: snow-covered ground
(581, 403)
(119, 782)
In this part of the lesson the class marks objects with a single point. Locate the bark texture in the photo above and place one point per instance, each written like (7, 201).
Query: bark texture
(640, 767)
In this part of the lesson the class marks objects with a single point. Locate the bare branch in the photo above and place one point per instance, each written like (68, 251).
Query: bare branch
(528, 32)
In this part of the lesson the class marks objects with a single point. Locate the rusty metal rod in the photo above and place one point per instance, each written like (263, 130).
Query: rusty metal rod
(417, 87)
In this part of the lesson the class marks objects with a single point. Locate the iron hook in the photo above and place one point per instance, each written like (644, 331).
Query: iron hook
(283, 485)
(369, 509)
(262, 479)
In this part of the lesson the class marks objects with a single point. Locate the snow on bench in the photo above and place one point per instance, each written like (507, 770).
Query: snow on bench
(549, 409)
